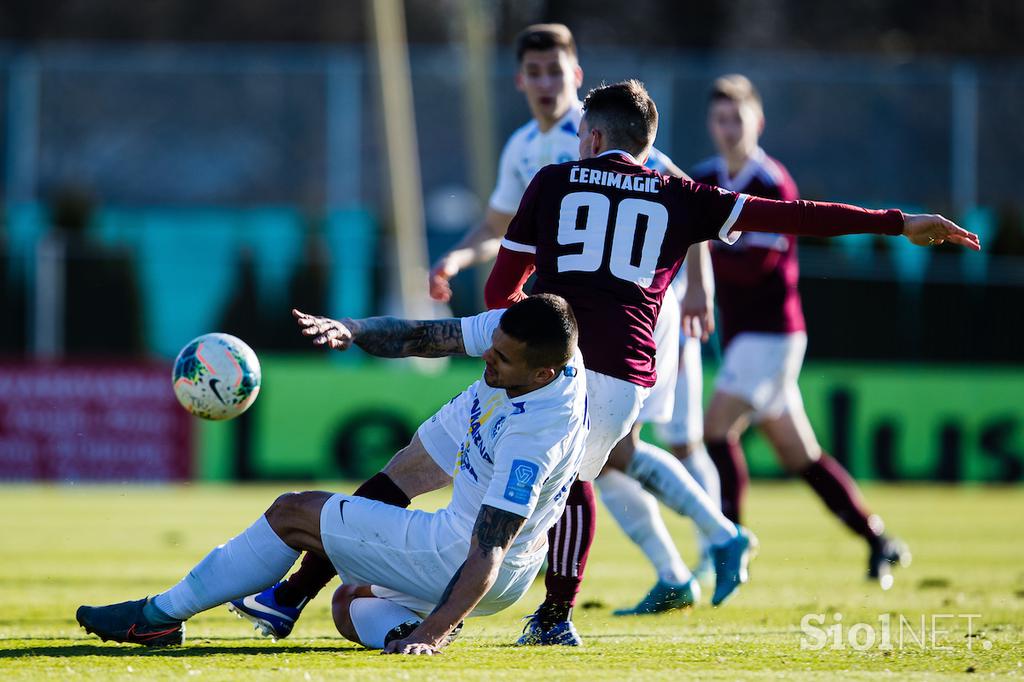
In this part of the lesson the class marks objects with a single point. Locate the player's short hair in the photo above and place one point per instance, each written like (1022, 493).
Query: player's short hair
(626, 114)
(736, 87)
(546, 324)
(544, 37)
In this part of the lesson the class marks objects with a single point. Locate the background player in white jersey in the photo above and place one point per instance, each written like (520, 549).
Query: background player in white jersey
(513, 443)
(549, 76)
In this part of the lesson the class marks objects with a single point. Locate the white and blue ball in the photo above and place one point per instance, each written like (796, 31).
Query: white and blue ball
(216, 376)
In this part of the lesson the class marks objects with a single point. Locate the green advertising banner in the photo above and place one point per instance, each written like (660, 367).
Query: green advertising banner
(316, 418)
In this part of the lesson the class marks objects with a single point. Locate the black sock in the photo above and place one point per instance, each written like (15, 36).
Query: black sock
(315, 572)
(551, 613)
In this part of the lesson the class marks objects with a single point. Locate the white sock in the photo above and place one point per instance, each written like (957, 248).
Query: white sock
(669, 481)
(638, 515)
(373, 618)
(703, 470)
(246, 564)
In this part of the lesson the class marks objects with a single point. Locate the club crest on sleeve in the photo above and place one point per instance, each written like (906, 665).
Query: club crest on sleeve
(520, 481)
(498, 423)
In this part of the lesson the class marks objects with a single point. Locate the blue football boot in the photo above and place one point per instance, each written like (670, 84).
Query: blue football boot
(270, 618)
(665, 596)
(731, 561)
(560, 634)
(125, 622)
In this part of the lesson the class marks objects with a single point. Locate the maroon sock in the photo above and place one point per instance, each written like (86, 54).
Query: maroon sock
(732, 472)
(315, 571)
(569, 543)
(839, 492)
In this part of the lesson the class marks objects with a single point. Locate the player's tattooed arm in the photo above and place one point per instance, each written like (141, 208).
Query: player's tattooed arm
(493, 534)
(388, 337)
(496, 529)
(391, 337)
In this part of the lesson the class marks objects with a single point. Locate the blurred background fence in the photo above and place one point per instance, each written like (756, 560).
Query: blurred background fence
(224, 184)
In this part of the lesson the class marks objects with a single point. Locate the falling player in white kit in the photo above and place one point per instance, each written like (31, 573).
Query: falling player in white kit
(512, 444)
(549, 76)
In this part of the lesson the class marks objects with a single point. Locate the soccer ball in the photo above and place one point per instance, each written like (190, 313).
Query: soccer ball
(216, 376)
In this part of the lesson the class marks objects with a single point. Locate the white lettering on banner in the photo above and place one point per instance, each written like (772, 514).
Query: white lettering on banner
(92, 422)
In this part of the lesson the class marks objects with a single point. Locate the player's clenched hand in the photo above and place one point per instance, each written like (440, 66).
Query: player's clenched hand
(440, 274)
(698, 313)
(410, 647)
(930, 230)
(324, 330)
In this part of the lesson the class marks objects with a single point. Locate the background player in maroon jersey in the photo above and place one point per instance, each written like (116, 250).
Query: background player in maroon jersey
(608, 235)
(764, 337)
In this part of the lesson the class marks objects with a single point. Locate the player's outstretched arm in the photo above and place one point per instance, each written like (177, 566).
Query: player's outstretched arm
(479, 245)
(386, 337)
(493, 534)
(822, 219)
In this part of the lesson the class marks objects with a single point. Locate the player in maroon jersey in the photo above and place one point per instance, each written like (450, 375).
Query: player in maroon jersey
(608, 235)
(764, 337)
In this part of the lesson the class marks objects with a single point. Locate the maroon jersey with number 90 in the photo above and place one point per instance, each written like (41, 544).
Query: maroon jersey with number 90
(609, 235)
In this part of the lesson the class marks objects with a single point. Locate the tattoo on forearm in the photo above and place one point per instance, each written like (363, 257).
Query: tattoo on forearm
(448, 590)
(496, 528)
(391, 337)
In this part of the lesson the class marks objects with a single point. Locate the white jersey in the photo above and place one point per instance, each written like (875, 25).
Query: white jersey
(516, 454)
(528, 150)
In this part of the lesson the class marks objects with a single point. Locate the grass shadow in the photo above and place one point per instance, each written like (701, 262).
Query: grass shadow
(113, 651)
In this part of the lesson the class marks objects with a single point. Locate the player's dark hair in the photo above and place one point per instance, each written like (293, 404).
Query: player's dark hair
(544, 37)
(626, 114)
(736, 87)
(546, 325)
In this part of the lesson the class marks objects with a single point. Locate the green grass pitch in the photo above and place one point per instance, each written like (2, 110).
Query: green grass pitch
(65, 546)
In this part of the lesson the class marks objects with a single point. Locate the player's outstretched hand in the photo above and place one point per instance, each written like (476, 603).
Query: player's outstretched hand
(324, 330)
(438, 281)
(931, 230)
(698, 313)
(411, 648)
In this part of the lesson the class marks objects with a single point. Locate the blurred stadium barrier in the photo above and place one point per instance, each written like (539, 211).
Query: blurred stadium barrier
(940, 424)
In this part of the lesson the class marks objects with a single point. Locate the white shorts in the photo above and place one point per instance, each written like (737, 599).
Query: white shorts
(409, 556)
(763, 369)
(687, 423)
(613, 405)
(658, 406)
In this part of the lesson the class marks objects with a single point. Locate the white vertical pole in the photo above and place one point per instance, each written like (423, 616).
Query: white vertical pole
(478, 104)
(661, 85)
(48, 297)
(45, 266)
(964, 142)
(387, 18)
(344, 131)
(22, 129)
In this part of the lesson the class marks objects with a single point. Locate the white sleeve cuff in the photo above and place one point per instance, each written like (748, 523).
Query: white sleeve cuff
(726, 234)
(516, 246)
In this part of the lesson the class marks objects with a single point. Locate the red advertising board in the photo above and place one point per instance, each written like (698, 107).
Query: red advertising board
(92, 422)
